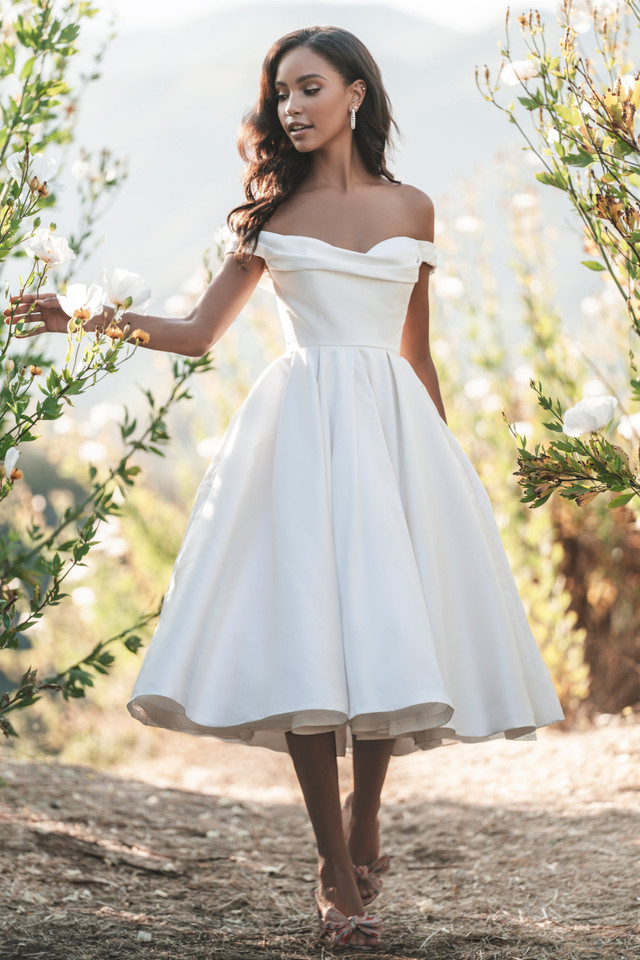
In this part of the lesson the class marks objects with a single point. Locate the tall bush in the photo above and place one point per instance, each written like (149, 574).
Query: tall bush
(37, 44)
(584, 133)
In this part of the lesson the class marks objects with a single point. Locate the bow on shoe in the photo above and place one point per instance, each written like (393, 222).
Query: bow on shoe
(371, 872)
(341, 927)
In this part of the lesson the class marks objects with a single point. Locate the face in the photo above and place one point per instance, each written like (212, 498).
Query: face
(311, 92)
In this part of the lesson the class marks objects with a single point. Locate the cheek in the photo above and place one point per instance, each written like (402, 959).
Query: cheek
(329, 108)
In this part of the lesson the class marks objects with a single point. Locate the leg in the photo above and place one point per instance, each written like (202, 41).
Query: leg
(314, 759)
(361, 826)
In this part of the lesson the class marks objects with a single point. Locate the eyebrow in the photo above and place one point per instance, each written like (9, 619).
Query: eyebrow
(306, 76)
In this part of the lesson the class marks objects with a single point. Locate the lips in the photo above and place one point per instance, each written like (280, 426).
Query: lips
(299, 127)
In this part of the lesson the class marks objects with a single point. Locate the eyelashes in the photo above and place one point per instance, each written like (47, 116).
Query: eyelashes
(309, 90)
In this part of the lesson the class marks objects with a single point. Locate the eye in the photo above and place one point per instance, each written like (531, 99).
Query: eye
(310, 90)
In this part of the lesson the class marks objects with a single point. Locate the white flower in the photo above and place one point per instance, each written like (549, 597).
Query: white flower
(629, 426)
(83, 596)
(589, 414)
(477, 387)
(44, 168)
(448, 286)
(10, 459)
(82, 301)
(517, 70)
(44, 245)
(121, 284)
(466, 224)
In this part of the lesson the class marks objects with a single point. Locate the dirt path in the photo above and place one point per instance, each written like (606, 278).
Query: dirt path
(500, 850)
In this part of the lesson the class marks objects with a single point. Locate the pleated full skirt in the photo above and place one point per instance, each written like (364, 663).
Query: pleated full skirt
(342, 570)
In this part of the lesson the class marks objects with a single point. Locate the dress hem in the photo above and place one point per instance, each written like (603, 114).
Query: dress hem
(417, 727)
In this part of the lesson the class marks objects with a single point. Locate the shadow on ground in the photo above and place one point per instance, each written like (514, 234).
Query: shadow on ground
(97, 866)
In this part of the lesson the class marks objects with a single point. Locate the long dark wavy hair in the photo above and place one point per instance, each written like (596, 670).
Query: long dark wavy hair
(274, 168)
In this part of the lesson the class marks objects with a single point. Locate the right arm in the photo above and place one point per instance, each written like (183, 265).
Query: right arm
(190, 336)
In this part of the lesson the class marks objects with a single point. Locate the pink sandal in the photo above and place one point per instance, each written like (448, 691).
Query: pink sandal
(371, 874)
(339, 928)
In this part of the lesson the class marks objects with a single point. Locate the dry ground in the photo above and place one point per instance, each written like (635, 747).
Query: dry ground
(500, 850)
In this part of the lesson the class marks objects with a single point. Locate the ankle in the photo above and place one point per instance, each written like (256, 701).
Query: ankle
(364, 813)
(330, 866)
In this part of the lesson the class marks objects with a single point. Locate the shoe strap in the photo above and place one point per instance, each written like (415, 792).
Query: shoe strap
(341, 927)
(372, 871)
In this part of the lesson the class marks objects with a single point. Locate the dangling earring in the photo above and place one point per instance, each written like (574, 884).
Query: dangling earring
(353, 118)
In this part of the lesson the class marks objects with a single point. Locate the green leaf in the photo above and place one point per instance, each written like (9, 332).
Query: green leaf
(529, 102)
(580, 159)
(550, 179)
(27, 68)
(569, 114)
(593, 265)
(621, 500)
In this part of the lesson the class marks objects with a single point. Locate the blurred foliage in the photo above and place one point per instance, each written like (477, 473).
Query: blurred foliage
(583, 114)
(37, 554)
(578, 576)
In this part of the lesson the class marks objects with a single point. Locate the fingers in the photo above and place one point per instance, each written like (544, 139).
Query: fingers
(31, 333)
(28, 300)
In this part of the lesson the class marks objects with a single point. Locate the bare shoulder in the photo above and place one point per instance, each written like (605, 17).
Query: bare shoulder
(419, 211)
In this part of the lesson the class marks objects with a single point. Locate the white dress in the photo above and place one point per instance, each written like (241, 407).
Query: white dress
(342, 568)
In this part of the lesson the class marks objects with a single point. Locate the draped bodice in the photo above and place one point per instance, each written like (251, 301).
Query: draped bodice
(336, 296)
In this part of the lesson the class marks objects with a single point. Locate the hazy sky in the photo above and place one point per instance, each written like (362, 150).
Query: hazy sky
(462, 15)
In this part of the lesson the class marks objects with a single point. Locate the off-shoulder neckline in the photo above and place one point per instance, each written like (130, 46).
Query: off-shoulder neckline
(362, 253)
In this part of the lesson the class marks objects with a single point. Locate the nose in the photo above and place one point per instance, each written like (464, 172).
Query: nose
(289, 108)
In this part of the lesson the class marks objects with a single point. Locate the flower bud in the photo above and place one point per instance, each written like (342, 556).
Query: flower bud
(9, 365)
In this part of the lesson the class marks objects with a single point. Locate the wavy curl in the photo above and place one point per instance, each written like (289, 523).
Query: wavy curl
(274, 168)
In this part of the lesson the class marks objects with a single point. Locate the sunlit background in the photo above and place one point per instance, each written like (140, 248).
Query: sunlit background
(175, 80)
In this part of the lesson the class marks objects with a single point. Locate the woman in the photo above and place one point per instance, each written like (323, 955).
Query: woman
(341, 585)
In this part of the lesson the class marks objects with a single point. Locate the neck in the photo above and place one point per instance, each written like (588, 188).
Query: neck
(338, 165)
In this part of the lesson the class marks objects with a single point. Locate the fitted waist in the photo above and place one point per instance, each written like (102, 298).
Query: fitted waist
(298, 348)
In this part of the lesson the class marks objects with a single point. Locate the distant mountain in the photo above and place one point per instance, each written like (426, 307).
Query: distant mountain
(172, 100)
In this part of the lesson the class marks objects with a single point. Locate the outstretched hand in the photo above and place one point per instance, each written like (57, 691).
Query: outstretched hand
(43, 309)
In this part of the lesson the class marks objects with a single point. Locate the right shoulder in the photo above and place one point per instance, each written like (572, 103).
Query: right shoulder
(419, 210)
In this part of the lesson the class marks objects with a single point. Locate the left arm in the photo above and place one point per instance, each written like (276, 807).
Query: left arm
(414, 345)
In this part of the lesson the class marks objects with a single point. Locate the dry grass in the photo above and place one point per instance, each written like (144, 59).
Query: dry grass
(500, 850)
